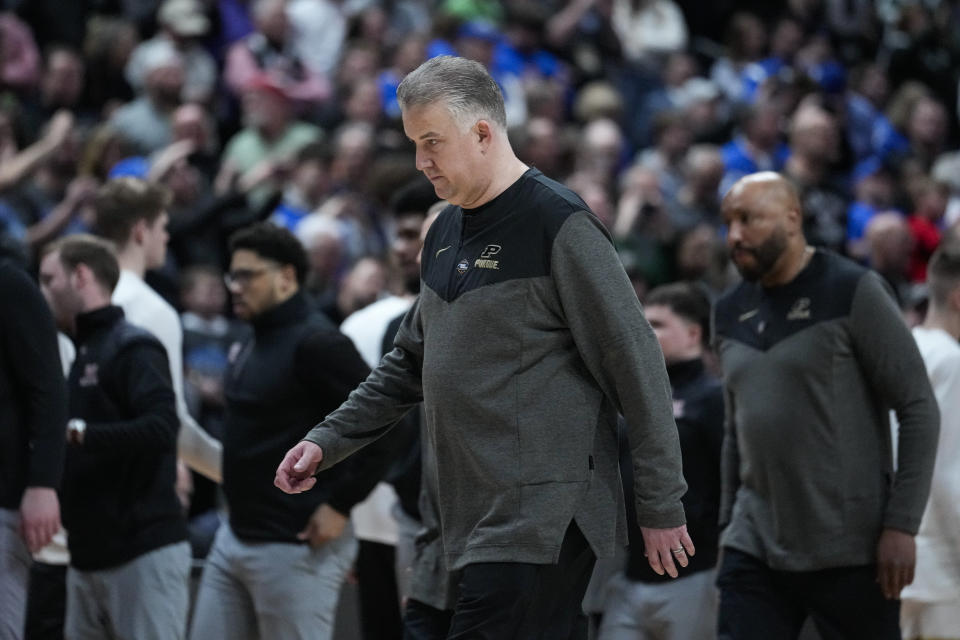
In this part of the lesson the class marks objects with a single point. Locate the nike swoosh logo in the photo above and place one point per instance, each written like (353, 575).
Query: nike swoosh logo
(441, 251)
(748, 315)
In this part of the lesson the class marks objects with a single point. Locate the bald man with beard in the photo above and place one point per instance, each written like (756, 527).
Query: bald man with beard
(818, 521)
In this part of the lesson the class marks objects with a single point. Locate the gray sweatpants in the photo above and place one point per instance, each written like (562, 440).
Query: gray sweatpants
(14, 571)
(682, 609)
(144, 599)
(270, 590)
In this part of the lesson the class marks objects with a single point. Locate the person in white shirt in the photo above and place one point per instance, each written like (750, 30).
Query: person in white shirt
(132, 214)
(931, 605)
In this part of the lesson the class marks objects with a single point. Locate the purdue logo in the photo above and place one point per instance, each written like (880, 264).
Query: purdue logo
(800, 310)
(485, 260)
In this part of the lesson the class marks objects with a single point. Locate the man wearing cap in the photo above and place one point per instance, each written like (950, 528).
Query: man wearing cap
(182, 23)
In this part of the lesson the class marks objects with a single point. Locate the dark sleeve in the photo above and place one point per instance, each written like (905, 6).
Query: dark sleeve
(329, 363)
(29, 337)
(729, 461)
(893, 365)
(621, 352)
(388, 393)
(140, 376)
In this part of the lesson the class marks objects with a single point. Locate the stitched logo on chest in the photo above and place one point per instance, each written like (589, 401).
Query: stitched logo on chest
(485, 260)
(90, 377)
(462, 266)
(800, 310)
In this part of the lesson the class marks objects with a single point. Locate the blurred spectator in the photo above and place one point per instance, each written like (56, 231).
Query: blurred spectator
(410, 53)
(182, 24)
(873, 191)
(478, 40)
(107, 48)
(889, 251)
(521, 49)
(146, 121)
(946, 170)
(61, 86)
(596, 196)
(921, 50)
(929, 206)
(672, 139)
(19, 56)
(321, 29)
(270, 137)
(362, 285)
(271, 51)
(702, 106)
(745, 42)
(869, 132)
(596, 100)
(308, 187)
(600, 151)
(702, 258)
(814, 151)
(42, 196)
(757, 145)
(540, 145)
(194, 123)
(323, 238)
(698, 200)
(927, 130)
(665, 92)
(649, 29)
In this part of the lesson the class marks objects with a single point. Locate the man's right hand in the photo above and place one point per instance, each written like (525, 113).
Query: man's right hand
(39, 517)
(295, 473)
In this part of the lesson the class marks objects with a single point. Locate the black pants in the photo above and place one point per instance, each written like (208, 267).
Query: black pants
(377, 588)
(758, 603)
(518, 601)
(423, 622)
(46, 601)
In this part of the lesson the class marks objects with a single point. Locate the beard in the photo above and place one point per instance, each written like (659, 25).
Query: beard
(765, 255)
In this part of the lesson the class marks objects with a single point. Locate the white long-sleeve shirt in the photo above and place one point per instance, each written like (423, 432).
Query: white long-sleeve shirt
(937, 576)
(144, 308)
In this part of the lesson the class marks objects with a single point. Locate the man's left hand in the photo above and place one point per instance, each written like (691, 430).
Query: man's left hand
(325, 524)
(896, 560)
(663, 546)
(39, 517)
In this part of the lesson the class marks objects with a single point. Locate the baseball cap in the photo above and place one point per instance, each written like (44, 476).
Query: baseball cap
(184, 17)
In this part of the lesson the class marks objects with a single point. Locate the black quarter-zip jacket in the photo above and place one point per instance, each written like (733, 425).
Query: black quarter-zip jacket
(526, 341)
(296, 366)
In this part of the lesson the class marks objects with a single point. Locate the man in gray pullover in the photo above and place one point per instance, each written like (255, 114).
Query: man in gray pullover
(525, 343)
(814, 355)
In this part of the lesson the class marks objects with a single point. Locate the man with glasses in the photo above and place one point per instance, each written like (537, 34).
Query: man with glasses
(276, 566)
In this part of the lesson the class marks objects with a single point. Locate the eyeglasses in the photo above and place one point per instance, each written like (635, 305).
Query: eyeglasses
(242, 277)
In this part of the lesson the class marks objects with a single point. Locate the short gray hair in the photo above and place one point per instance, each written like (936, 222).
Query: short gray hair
(464, 86)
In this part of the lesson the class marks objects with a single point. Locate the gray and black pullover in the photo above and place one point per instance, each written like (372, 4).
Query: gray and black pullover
(526, 341)
(811, 370)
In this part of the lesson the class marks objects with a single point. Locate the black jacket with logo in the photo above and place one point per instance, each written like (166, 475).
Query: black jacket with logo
(118, 499)
(295, 369)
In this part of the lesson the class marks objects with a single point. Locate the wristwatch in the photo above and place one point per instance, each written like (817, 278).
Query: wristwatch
(76, 427)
